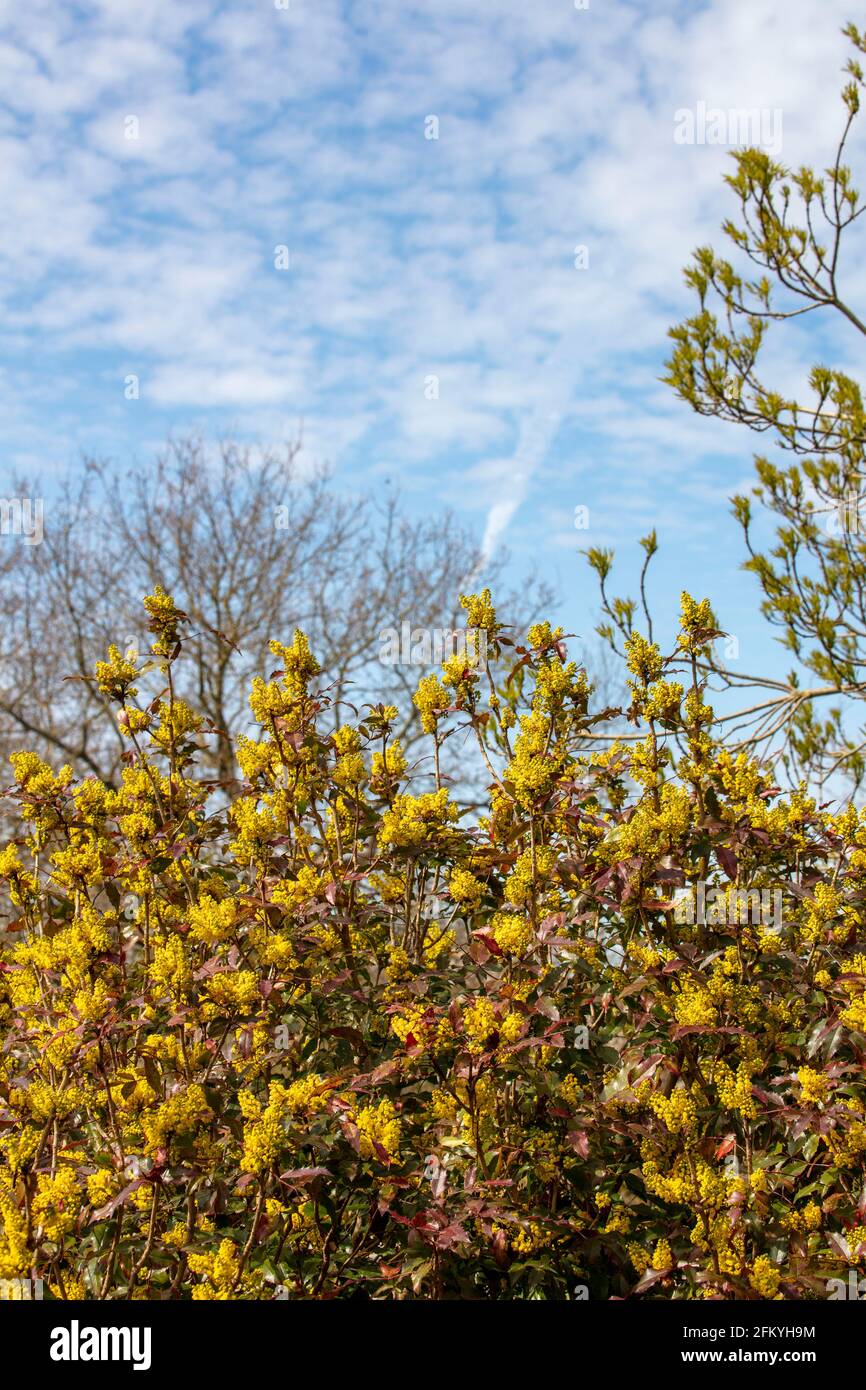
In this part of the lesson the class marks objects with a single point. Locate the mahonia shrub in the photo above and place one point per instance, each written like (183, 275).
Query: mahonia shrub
(327, 1033)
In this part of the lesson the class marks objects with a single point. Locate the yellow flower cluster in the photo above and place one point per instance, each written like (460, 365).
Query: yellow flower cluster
(465, 888)
(379, 1128)
(512, 933)
(735, 1088)
(814, 1086)
(178, 1118)
(233, 1013)
(480, 612)
(413, 821)
(56, 1203)
(221, 1275)
(662, 1255)
(764, 1277)
(114, 677)
(431, 700)
(678, 1111)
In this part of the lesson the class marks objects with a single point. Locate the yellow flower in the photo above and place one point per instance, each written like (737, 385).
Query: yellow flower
(480, 612)
(57, 1203)
(696, 619)
(379, 1128)
(431, 699)
(220, 1271)
(171, 969)
(102, 1186)
(414, 820)
(212, 921)
(465, 888)
(389, 765)
(662, 1256)
(638, 1257)
(479, 1024)
(114, 677)
(814, 1086)
(177, 1119)
(512, 933)
(678, 1111)
(165, 619)
(643, 658)
(764, 1277)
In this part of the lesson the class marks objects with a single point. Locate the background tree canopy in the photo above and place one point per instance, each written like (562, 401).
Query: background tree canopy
(789, 237)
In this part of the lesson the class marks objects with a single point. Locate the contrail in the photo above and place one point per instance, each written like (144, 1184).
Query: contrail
(536, 433)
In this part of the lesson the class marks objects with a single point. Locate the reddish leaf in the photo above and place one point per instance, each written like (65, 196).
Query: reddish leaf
(728, 861)
(119, 1201)
(302, 1175)
(651, 1277)
(578, 1140)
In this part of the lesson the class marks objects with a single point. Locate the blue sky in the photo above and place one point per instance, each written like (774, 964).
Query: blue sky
(409, 258)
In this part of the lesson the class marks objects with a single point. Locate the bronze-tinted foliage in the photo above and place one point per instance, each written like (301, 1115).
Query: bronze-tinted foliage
(333, 1039)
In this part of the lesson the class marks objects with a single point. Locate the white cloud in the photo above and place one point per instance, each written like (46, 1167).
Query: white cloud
(410, 257)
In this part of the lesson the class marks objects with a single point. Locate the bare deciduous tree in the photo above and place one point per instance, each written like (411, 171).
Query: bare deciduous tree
(251, 546)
